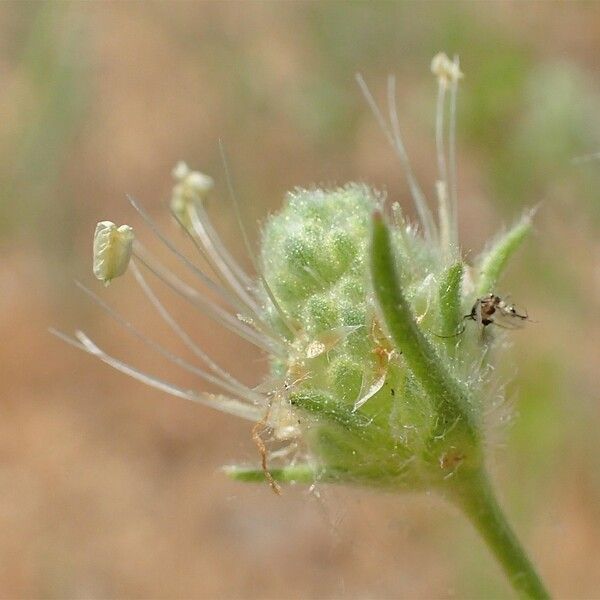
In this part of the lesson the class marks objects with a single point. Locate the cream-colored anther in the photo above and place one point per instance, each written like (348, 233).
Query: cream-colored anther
(191, 189)
(112, 250)
(447, 71)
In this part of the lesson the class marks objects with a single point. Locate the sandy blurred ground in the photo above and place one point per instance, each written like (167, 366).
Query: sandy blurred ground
(109, 489)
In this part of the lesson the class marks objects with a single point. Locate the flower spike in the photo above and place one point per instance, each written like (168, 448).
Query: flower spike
(344, 305)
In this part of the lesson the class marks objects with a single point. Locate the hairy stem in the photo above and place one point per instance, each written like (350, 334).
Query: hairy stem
(474, 494)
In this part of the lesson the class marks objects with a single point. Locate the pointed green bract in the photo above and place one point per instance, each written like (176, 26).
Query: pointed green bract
(454, 411)
(494, 261)
(451, 316)
(421, 357)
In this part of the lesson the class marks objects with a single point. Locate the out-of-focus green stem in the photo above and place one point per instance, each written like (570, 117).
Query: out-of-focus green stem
(474, 494)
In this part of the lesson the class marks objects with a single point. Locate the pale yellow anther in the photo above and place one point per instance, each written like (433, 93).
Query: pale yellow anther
(180, 171)
(191, 189)
(112, 250)
(446, 70)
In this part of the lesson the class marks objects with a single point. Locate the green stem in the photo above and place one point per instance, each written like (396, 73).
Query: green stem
(476, 497)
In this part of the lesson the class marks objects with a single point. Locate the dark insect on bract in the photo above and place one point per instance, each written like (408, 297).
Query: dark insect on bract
(493, 309)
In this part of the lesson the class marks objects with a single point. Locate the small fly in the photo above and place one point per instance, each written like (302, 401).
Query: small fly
(492, 309)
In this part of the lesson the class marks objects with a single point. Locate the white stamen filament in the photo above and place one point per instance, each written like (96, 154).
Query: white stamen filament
(215, 312)
(180, 332)
(206, 280)
(238, 215)
(237, 301)
(219, 259)
(394, 138)
(216, 401)
(453, 180)
(246, 393)
(439, 132)
(429, 228)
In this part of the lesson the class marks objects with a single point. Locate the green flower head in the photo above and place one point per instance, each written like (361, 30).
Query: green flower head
(377, 377)
(381, 339)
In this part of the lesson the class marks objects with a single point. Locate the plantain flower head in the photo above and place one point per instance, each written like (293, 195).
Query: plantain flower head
(381, 339)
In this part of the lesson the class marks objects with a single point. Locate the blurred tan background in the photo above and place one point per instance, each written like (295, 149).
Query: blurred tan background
(110, 489)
